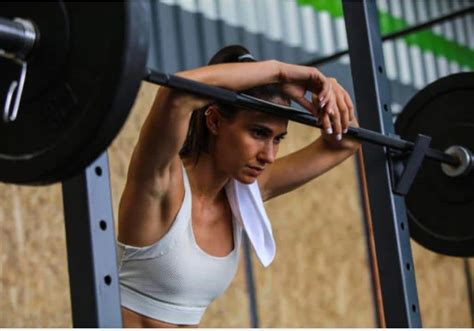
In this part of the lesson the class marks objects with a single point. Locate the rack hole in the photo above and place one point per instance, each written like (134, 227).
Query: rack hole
(108, 280)
(380, 69)
(413, 307)
(98, 171)
(103, 225)
(385, 106)
(402, 225)
(408, 266)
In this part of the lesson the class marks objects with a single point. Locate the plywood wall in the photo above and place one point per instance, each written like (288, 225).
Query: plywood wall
(319, 278)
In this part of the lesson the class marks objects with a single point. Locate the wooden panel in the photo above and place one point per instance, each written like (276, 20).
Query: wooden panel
(320, 277)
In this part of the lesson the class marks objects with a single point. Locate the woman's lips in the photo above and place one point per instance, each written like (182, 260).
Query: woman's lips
(255, 171)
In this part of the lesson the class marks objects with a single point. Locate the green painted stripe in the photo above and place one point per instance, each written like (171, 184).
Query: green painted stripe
(425, 39)
(334, 7)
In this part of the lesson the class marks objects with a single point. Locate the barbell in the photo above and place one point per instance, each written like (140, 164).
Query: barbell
(79, 67)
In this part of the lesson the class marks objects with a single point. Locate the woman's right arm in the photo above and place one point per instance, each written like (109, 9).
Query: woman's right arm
(147, 205)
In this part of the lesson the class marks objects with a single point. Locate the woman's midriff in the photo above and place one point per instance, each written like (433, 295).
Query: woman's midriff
(132, 319)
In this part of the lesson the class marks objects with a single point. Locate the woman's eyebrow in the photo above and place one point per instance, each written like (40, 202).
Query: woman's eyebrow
(267, 129)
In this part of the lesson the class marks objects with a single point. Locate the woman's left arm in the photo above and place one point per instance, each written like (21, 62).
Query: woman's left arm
(329, 150)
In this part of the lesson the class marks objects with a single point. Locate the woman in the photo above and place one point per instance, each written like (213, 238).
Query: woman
(179, 227)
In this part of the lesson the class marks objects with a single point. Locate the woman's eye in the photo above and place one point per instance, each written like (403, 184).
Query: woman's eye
(259, 133)
(278, 140)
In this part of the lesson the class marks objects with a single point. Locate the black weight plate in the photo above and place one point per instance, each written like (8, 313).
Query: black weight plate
(441, 208)
(73, 106)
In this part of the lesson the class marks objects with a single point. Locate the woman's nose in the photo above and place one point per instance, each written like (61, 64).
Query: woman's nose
(267, 153)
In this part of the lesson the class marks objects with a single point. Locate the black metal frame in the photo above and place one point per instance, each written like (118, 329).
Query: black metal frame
(391, 235)
(90, 238)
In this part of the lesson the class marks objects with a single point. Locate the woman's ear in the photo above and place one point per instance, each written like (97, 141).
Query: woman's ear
(213, 118)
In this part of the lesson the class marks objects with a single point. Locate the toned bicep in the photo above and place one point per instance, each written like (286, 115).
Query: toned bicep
(162, 135)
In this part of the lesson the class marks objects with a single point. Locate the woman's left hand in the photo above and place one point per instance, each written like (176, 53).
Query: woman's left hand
(336, 120)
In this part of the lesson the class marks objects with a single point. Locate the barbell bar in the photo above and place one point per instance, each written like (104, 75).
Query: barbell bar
(243, 100)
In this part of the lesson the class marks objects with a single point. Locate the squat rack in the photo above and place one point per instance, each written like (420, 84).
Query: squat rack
(385, 212)
(90, 236)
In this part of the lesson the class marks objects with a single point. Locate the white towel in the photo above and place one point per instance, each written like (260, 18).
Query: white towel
(247, 206)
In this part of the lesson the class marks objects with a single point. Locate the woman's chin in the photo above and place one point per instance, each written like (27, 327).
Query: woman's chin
(246, 179)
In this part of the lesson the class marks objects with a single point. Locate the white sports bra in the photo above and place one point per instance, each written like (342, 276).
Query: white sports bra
(174, 280)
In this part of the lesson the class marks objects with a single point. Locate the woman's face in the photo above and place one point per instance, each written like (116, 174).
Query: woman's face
(247, 143)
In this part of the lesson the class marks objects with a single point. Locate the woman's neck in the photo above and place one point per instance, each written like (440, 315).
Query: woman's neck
(207, 181)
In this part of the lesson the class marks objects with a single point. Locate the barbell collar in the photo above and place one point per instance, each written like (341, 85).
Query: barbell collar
(303, 117)
(17, 38)
(466, 161)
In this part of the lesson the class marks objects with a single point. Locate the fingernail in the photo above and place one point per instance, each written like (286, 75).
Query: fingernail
(339, 136)
(329, 131)
(322, 105)
(321, 99)
(345, 130)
